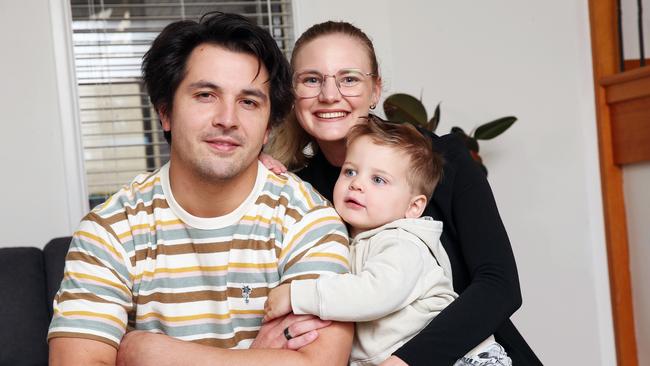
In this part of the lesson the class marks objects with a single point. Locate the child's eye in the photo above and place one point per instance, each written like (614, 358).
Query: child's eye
(378, 180)
(349, 172)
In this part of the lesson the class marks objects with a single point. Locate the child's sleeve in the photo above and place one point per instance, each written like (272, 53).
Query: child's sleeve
(386, 282)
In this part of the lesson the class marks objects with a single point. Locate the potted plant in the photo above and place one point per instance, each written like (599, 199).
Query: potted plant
(406, 108)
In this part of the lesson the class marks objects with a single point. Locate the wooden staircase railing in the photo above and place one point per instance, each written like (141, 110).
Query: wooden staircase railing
(628, 97)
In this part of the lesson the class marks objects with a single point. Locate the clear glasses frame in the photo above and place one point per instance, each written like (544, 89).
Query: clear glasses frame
(349, 82)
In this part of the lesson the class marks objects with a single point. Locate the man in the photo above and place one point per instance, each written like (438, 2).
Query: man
(188, 253)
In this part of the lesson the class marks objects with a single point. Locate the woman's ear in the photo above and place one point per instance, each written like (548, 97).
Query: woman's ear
(376, 91)
(416, 207)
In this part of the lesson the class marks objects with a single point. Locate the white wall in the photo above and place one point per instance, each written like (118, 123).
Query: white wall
(34, 189)
(531, 59)
(636, 180)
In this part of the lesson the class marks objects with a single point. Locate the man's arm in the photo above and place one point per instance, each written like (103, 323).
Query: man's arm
(90, 308)
(332, 347)
(80, 351)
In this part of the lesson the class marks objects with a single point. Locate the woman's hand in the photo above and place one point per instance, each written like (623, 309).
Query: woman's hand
(393, 361)
(272, 164)
(278, 303)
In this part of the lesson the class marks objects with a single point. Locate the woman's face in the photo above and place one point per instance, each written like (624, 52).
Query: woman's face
(328, 116)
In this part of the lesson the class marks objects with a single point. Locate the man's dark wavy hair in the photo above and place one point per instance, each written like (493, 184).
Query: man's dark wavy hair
(164, 65)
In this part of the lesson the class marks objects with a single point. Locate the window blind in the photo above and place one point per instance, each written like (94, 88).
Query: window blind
(121, 134)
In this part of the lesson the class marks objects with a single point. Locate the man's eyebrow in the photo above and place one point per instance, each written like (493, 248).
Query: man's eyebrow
(204, 84)
(210, 85)
(256, 93)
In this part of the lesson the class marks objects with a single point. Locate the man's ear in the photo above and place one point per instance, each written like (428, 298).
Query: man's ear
(266, 135)
(416, 207)
(165, 119)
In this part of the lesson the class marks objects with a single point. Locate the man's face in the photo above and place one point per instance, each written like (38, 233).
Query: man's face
(220, 114)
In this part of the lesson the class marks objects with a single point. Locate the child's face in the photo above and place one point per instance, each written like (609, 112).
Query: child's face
(372, 189)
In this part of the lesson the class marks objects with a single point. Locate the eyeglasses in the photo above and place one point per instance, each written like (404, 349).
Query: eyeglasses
(349, 82)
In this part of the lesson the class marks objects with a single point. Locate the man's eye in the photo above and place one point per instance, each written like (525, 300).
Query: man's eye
(249, 103)
(204, 96)
(349, 173)
(378, 180)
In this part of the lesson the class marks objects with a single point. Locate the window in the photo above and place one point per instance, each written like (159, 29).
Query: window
(121, 134)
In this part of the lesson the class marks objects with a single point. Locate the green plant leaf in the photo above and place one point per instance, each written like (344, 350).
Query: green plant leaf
(405, 108)
(433, 122)
(493, 129)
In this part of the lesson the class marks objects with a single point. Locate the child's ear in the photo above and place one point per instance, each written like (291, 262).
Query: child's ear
(416, 207)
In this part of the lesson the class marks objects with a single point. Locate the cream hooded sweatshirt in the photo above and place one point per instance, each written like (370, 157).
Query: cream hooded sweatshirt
(396, 287)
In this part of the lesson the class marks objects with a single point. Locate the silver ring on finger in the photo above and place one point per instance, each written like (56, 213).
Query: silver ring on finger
(287, 335)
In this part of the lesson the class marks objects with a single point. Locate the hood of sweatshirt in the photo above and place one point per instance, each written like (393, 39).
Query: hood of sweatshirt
(426, 229)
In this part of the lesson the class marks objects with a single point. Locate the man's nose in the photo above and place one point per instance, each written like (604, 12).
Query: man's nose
(226, 116)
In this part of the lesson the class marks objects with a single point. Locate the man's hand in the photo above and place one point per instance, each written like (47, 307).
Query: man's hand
(278, 303)
(302, 328)
(272, 164)
(393, 361)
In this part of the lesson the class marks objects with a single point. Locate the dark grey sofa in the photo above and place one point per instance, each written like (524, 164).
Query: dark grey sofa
(29, 279)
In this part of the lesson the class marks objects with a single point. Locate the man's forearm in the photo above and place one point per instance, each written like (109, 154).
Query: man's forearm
(331, 348)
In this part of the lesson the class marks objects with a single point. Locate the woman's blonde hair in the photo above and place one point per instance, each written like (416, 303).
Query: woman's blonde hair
(289, 141)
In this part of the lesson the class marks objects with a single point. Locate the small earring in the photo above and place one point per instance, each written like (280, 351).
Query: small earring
(373, 106)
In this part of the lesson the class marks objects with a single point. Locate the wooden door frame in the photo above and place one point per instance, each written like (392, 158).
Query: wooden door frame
(605, 49)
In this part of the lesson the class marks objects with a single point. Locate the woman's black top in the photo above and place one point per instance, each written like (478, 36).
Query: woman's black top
(483, 266)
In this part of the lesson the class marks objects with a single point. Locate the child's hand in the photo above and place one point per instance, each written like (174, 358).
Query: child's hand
(278, 303)
(271, 164)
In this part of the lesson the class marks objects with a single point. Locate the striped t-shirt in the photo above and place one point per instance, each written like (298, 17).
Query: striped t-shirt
(139, 261)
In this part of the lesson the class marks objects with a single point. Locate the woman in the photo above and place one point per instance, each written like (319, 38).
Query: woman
(484, 270)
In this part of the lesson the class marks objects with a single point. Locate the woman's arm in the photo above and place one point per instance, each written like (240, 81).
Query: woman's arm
(493, 294)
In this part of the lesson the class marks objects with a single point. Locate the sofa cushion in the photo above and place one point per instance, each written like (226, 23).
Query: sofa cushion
(54, 255)
(24, 316)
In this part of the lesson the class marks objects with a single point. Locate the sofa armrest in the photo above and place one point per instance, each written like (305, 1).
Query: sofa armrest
(54, 254)
(23, 310)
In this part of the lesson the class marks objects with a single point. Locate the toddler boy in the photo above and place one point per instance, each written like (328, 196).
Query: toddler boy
(401, 276)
